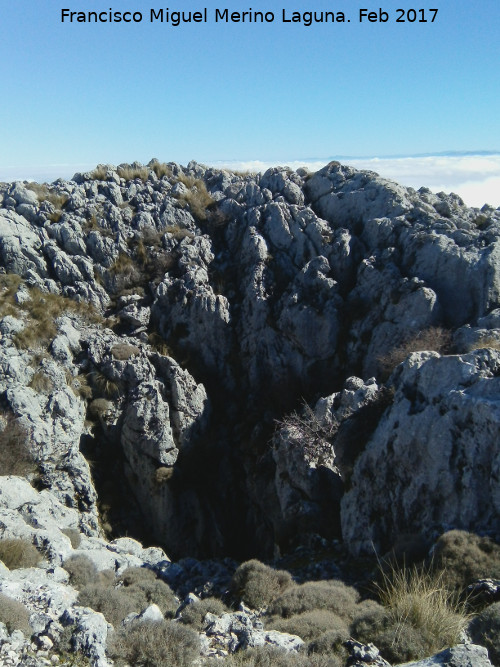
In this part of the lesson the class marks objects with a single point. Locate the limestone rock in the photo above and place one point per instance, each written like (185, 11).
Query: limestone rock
(465, 655)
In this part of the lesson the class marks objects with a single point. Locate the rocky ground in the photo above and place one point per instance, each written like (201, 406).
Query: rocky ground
(299, 367)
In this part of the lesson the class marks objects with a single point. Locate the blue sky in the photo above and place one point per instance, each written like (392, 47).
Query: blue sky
(81, 93)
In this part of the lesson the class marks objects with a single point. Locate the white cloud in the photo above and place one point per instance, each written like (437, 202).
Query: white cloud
(476, 178)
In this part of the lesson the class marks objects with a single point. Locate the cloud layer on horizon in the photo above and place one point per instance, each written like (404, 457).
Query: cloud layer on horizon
(476, 178)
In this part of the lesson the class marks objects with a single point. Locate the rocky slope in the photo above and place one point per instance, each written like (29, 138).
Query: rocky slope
(224, 364)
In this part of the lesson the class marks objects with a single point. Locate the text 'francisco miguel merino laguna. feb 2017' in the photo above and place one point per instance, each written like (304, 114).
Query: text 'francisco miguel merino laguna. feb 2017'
(286, 16)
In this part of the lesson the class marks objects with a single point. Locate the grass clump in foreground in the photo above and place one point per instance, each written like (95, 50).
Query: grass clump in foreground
(419, 616)
(155, 644)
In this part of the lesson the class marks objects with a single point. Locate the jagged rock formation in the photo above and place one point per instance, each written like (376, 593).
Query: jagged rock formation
(229, 299)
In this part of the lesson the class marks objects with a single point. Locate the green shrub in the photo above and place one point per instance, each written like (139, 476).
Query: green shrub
(81, 570)
(14, 615)
(15, 455)
(310, 624)
(464, 557)
(194, 614)
(16, 553)
(333, 595)
(258, 584)
(148, 644)
(484, 629)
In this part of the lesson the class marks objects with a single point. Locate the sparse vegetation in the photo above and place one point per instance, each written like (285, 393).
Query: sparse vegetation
(197, 197)
(258, 584)
(41, 383)
(161, 169)
(113, 603)
(159, 344)
(16, 457)
(43, 193)
(435, 339)
(41, 310)
(16, 553)
(151, 644)
(14, 615)
(490, 341)
(306, 431)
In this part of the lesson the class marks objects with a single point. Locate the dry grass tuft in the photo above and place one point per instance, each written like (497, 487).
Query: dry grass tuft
(130, 173)
(41, 311)
(197, 198)
(434, 339)
(99, 173)
(420, 616)
(418, 596)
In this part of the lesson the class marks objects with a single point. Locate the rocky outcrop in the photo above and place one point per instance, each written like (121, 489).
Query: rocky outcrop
(161, 319)
(432, 462)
